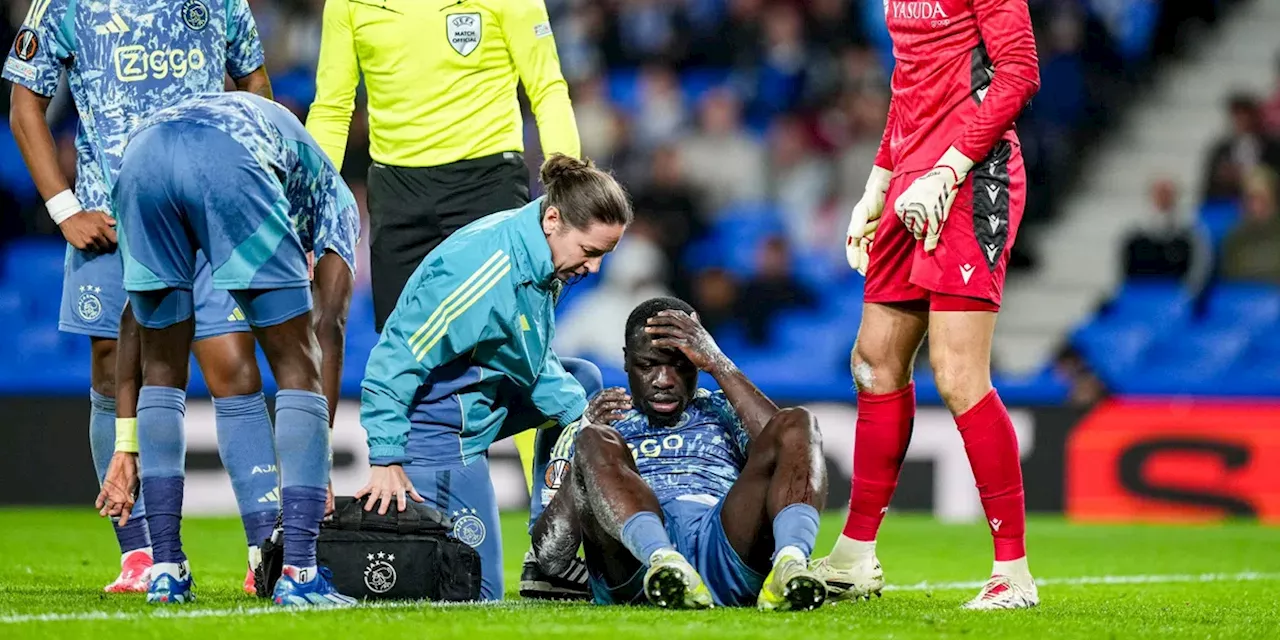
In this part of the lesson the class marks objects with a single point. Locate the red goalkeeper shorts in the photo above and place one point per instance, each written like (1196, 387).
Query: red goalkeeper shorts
(966, 271)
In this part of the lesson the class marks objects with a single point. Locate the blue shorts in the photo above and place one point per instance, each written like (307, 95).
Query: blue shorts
(185, 186)
(93, 298)
(695, 528)
(465, 494)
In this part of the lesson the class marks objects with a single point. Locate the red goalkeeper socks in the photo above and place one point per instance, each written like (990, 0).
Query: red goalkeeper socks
(992, 447)
(880, 443)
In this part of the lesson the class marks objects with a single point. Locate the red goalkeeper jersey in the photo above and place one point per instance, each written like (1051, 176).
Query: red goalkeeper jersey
(965, 69)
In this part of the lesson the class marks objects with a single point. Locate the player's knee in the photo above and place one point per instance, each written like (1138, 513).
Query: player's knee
(597, 443)
(796, 425)
(239, 377)
(878, 371)
(961, 383)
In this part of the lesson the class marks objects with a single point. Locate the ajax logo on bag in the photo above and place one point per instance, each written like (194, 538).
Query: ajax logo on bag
(379, 575)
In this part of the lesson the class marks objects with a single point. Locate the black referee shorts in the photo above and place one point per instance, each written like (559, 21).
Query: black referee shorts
(412, 210)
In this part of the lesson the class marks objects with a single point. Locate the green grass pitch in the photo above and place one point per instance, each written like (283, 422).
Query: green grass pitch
(1220, 581)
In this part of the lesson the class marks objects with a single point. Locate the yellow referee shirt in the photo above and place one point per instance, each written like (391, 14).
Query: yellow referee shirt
(441, 79)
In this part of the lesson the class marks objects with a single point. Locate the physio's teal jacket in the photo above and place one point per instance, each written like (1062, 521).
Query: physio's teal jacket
(474, 322)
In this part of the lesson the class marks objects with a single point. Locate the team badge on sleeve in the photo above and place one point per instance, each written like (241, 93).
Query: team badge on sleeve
(542, 29)
(557, 472)
(464, 31)
(195, 14)
(26, 45)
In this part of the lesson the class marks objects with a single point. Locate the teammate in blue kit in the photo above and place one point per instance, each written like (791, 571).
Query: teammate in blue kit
(465, 359)
(237, 176)
(691, 497)
(122, 60)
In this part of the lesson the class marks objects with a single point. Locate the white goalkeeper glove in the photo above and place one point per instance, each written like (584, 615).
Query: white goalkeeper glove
(925, 204)
(865, 219)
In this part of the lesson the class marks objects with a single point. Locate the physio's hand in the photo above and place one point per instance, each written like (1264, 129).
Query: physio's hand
(119, 487)
(90, 231)
(386, 484)
(328, 501)
(865, 219)
(608, 406)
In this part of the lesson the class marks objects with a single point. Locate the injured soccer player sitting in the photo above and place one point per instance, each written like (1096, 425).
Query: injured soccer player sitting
(682, 496)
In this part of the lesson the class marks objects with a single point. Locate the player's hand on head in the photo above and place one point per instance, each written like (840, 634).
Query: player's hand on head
(119, 487)
(388, 484)
(608, 406)
(675, 329)
(90, 231)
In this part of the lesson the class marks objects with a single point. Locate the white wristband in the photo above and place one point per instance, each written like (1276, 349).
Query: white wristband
(63, 206)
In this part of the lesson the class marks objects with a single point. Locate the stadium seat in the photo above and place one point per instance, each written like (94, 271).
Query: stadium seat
(1112, 348)
(1249, 305)
(1150, 300)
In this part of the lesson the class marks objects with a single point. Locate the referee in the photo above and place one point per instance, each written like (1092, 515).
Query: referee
(445, 129)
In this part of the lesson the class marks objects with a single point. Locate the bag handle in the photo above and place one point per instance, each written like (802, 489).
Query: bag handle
(351, 515)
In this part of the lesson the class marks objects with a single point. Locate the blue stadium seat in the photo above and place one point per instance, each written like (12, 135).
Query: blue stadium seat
(1112, 348)
(697, 82)
(1250, 305)
(1187, 362)
(1161, 303)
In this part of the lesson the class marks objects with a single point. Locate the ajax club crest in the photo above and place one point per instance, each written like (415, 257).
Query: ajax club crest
(468, 527)
(379, 575)
(195, 14)
(89, 305)
(463, 31)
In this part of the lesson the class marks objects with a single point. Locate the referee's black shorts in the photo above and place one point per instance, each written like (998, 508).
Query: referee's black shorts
(412, 210)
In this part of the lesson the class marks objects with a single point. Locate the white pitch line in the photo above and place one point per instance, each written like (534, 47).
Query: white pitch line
(1244, 576)
(179, 614)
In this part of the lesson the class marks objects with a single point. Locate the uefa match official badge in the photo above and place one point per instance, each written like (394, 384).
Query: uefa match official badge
(89, 305)
(379, 575)
(464, 31)
(195, 14)
(468, 527)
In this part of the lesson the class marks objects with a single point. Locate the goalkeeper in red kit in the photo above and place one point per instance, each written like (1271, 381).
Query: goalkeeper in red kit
(932, 235)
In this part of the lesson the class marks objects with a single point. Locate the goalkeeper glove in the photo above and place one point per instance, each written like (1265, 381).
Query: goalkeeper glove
(865, 219)
(925, 204)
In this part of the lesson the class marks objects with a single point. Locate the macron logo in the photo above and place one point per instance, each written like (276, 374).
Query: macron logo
(995, 524)
(966, 272)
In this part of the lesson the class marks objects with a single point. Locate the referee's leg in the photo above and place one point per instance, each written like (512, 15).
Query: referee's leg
(404, 228)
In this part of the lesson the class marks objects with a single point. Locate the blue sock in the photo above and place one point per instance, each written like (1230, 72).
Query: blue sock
(162, 451)
(302, 442)
(796, 526)
(248, 450)
(643, 533)
(102, 442)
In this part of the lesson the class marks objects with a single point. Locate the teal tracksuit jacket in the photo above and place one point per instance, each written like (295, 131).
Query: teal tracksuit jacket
(465, 358)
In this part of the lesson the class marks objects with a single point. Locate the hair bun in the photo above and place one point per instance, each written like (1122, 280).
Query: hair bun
(560, 165)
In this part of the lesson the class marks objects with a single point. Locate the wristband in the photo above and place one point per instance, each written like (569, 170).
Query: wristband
(127, 435)
(63, 206)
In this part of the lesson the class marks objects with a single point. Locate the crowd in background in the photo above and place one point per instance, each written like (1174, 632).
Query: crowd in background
(701, 105)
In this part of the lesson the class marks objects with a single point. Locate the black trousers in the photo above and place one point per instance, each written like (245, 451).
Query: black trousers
(412, 210)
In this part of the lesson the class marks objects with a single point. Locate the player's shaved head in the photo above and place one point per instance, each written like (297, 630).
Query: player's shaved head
(648, 309)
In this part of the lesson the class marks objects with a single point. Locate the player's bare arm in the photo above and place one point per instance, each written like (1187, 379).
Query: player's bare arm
(256, 82)
(674, 329)
(608, 406)
(84, 230)
(331, 286)
(120, 487)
